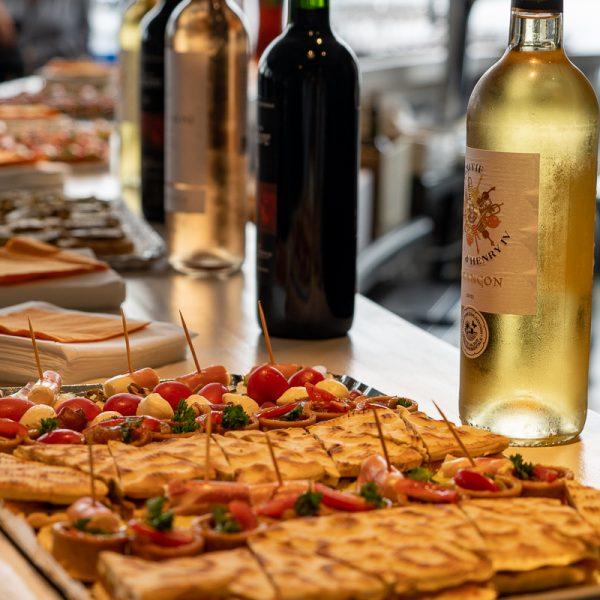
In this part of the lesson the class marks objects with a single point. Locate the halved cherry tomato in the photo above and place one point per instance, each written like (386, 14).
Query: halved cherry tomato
(145, 421)
(304, 376)
(277, 411)
(473, 480)
(546, 474)
(354, 394)
(213, 392)
(90, 410)
(11, 429)
(342, 500)
(324, 401)
(216, 418)
(426, 492)
(266, 384)
(14, 408)
(276, 507)
(62, 436)
(124, 403)
(170, 539)
(173, 392)
(242, 512)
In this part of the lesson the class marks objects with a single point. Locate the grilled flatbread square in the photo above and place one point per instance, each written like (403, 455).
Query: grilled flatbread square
(297, 440)
(230, 574)
(523, 534)
(299, 575)
(410, 555)
(252, 463)
(37, 482)
(586, 501)
(439, 442)
(351, 439)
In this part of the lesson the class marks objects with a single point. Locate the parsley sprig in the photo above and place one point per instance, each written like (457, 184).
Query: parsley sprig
(295, 414)
(371, 494)
(47, 425)
(156, 517)
(184, 418)
(82, 525)
(224, 522)
(308, 504)
(420, 474)
(234, 417)
(523, 470)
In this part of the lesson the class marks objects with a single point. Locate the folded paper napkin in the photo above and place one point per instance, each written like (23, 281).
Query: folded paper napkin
(25, 259)
(152, 345)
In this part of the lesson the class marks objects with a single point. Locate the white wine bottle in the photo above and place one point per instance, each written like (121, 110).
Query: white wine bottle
(207, 57)
(129, 89)
(528, 240)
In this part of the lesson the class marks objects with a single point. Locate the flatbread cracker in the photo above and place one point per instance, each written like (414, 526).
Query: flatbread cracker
(586, 500)
(230, 574)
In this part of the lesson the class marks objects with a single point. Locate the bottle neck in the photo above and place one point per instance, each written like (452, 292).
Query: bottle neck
(309, 13)
(535, 30)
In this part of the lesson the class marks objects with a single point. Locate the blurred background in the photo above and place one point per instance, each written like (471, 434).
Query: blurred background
(419, 61)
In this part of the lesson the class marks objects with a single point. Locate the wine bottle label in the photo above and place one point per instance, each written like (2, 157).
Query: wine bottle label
(129, 69)
(187, 132)
(500, 233)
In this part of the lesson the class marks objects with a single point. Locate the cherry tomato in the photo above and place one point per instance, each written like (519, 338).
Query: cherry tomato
(287, 369)
(126, 404)
(324, 401)
(277, 411)
(426, 492)
(216, 418)
(173, 392)
(11, 429)
(243, 514)
(170, 539)
(276, 507)
(304, 376)
(90, 410)
(14, 408)
(546, 474)
(213, 392)
(62, 436)
(472, 480)
(342, 500)
(212, 374)
(266, 384)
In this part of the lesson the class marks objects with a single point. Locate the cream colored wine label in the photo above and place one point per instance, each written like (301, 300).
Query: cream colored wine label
(500, 232)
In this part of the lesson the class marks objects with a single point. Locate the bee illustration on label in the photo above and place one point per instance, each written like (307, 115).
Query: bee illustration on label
(481, 213)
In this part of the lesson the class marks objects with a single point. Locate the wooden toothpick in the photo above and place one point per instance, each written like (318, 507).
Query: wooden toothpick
(208, 429)
(127, 346)
(382, 440)
(455, 435)
(275, 463)
(36, 352)
(263, 323)
(188, 337)
(92, 478)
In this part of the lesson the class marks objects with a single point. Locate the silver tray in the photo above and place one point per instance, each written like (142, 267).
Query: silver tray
(23, 537)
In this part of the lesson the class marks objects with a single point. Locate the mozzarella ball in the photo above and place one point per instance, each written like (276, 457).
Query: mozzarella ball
(333, 386)
(105, 416)
(154, 405)
(33, 416)
(117, 385)
(293, 394)
(250, 406)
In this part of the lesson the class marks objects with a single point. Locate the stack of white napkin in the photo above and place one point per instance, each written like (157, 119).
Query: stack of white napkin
(156, 345)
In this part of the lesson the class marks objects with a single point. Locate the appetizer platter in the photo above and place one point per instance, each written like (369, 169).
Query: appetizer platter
(285, 483)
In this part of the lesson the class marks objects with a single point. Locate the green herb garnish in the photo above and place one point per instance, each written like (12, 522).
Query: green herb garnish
(371, 494)
(405, 402)
(184, 418)
(81, 525)
(308, 504)
(47, 425)
(224, 522)
(295, 414)
(523, 470)
(234, 417)
(156, 517)
(420, 474)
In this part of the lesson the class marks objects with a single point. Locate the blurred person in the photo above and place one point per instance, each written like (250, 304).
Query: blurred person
(11, 61)
(44, 29)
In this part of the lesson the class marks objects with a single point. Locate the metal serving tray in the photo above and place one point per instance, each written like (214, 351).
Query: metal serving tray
(24, 538)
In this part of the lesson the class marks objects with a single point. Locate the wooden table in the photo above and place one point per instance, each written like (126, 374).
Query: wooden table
(382, 349)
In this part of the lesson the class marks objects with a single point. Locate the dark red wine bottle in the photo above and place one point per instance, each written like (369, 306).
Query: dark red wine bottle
(152, 96)
(308, 110)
